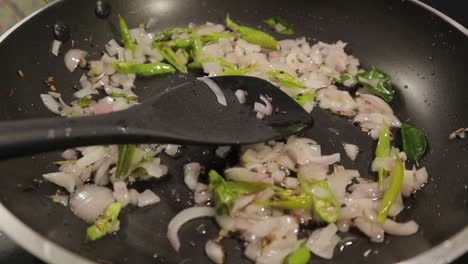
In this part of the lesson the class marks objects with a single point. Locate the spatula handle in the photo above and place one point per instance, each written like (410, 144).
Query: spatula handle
(40, 135)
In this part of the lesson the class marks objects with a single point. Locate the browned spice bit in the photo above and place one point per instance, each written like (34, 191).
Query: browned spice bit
(11, 92)
(38, 181)
(25, 187)
(276, 109)
(60, 193)
(53, 88)
(21, 73)
(73, 43)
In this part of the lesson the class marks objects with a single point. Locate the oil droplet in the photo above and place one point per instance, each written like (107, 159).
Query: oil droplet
(433, 44)
(202, 229)
(430, 58)
(432, 73)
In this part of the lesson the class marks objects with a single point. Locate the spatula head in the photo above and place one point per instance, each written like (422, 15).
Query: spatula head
(192, 113)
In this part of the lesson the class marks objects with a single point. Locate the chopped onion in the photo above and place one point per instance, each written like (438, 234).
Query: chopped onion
(183, 217)
(266, 109)
(62, 179)
(223, 151)
(400, 229)
(171, 149)
(191, 174)
(121, 193)
(351, 150)
(89, 201)
(89, 158)
(322, 242)
(240, 95)
(214, 251)
(56, 47)
(75, 57)
(215, 89)
(51, 104)
(147, 198)
(373, 230)
(202, 194)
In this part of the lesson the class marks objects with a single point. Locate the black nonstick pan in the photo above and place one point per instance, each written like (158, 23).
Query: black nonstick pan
(426, 57)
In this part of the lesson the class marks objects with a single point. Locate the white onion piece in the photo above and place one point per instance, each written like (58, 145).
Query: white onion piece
(242, 202)
(121, 193)
(202, 194)
(171, 149)
(373, 230)
(400, 229)
(386, 163)
(223, 151)
(191, 174)
(89, 158)
(56, 47)
(351, 150)
(75, 57)
(183, 217)
(421, 177)
(61, 199)
(89, 201)
(65, 180)
(51, 104)
(214, 251)
(147, 198)
(266, 109)
(69, 154)
(240, 95)
(133, 196)
(215, 89)
(322, 242)
(312, 172)
(154, 169)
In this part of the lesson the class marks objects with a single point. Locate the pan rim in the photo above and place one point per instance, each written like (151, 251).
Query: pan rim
(50, 252)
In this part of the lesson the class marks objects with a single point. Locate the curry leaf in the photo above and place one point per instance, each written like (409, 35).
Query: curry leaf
(377, 82)
(414, 142)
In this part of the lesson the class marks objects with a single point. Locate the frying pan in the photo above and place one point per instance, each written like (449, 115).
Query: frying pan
(424, 54)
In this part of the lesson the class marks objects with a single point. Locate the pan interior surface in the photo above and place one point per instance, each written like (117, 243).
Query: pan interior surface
(424, 55)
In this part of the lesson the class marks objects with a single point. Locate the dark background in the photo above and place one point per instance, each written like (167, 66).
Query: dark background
(456, 9)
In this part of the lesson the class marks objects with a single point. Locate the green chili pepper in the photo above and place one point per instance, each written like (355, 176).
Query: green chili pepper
(121, 95)
(299, 256)
(166, 35)
(327, 206)
(291, 202)
(279, 25)
(170, 56)
(126, 153)
(85, 101)
(253, 36)
(285, 79)
(304, 98)
(239, 71)
(225, 193)
(197, 64)
(147, 69)
(105, 223)
(377, 82)
(383, 150)
(393, 191)
(179, 43)
(197, 48)
(215, 37)
(414, 142)
(343, 78)
(127, 39)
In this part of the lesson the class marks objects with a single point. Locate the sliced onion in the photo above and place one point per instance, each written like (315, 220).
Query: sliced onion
(215, 89)
(97, 154)
(183, 217)
(202, 194)
(171, 149)
(102, 108)
(223, 151)
(240, 95)
(121, 193)
(62, 179)
(322, 242)
(147, 198)
(421, 177)
(191, 174)
(386, 163)
(69, 154)
(51, 104)
(400, 229)
(242, 202)
(214, 251)
(89, 201)
(373, 230)
(56, 47)
(75, 57)
(266, 109)
(351, 150)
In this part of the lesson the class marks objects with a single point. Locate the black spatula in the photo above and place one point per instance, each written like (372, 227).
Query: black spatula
(188, 113)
